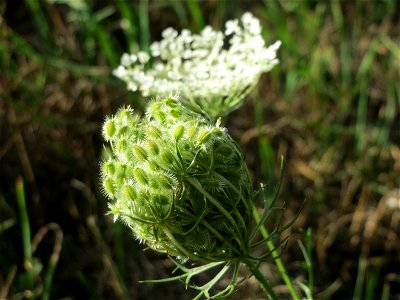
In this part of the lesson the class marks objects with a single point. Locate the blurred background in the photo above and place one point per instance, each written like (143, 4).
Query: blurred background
(330, 108)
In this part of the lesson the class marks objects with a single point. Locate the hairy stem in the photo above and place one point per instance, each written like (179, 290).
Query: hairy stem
(275, 255)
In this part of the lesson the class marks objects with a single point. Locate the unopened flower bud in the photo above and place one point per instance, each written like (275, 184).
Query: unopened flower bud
(109, 129)
(186, 174)
(153, 147)
(178, 132)
(129, 192)
(109, 187)
(139, 152)
(192, 131)
(141, 176)
(203, 136)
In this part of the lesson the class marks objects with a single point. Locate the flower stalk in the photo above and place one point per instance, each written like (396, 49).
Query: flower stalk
(261, 279)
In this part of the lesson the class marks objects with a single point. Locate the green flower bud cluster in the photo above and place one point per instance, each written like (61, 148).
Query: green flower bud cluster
(178, 181)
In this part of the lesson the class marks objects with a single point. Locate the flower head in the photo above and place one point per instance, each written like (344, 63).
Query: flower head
(178, 181)
(212, 69)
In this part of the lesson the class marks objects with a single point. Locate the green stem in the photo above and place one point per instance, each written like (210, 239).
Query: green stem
(275, 255)
(26, 233)
(261, 279)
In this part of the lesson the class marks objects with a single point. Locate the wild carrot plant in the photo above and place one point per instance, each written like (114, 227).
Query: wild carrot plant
(180, 183)
(175, 176)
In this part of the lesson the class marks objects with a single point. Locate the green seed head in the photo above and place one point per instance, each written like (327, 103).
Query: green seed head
(153, 148)
(109, 187)
(121, 146)
(178, 132)
(139, 152)
(153, 132)
(109, 129)
(129, 192)
(141, 176)
(192, 131)
(184, 188)
(124, 115)
(123, 131)
(109, 167)
(204, 136)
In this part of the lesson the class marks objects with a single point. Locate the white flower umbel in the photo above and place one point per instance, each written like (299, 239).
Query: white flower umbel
(213, 70)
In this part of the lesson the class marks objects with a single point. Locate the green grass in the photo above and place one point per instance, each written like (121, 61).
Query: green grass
(331, 108)
(26, 235)
(33, 279)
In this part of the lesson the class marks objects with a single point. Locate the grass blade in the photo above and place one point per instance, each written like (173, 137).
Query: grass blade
(197, 14)
(128, 24)
(275, 255)
(26, 232)
(266, 152)
(39, 18)
(144, 25)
